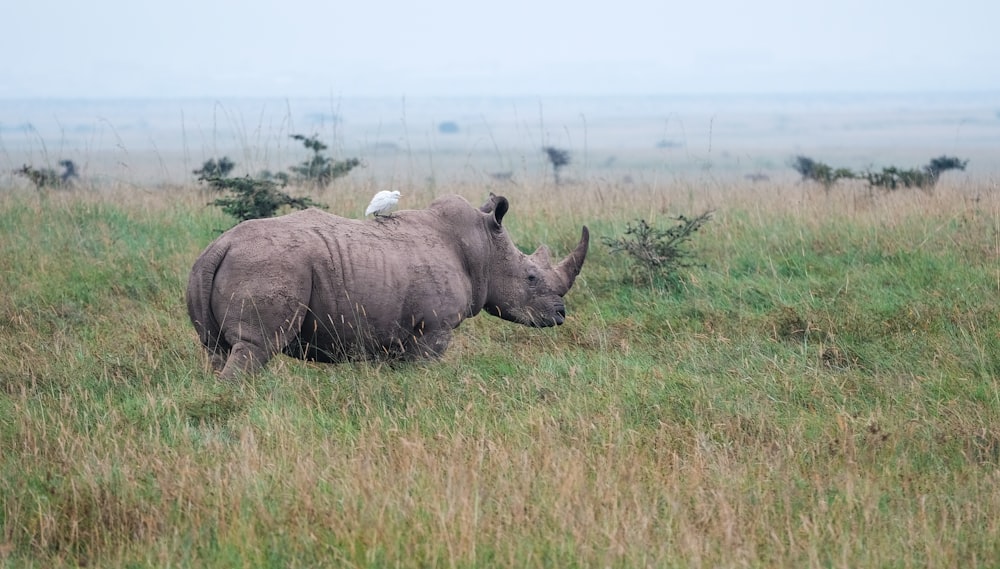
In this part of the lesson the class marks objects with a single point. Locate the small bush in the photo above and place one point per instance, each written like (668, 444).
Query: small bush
(658, 254)
(252, 198)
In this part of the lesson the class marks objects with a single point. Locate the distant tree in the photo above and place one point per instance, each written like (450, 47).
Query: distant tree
(213, 168)
(558, 157)
(47, 177)
(891, 178)
(40, 177)
(448, 127)
(805, 166)
(320, 170)
(69, 172)
(888, 178)
(936, 166)
(280, 178)
(925, 178)
(811, 170)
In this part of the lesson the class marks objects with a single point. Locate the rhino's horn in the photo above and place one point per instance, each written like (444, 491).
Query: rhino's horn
(570, 267)
(541, 256)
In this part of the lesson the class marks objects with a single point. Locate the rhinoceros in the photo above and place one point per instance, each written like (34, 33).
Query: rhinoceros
(316, 286)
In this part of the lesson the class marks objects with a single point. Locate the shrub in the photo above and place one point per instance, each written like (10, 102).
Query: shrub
(658, 254)
(252, 198)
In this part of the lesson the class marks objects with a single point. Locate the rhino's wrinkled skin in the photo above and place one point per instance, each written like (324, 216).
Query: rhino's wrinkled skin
(316, 286)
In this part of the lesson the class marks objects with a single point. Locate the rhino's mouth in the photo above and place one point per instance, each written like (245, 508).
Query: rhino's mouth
(530, 317)
(560, 314)
(557, 318)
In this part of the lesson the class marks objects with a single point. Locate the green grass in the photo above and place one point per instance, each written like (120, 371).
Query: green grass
(823, 393)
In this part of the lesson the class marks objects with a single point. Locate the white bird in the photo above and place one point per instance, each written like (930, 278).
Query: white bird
(382, 203)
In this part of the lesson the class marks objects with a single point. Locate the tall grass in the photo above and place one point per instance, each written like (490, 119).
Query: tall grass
(822, 394)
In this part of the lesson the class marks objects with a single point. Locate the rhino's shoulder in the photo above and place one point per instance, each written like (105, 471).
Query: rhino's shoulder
(457, 210)
(450, 202)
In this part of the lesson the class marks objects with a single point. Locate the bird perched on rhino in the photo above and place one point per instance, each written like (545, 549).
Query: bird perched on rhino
(382, 203)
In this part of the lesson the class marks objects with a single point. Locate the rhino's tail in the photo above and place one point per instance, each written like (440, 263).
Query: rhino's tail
(199, 300)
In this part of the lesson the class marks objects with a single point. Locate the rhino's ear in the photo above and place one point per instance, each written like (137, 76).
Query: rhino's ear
(497, 207)
(490, 204)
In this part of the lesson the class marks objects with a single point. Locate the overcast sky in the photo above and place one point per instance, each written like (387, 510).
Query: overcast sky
(313, 48)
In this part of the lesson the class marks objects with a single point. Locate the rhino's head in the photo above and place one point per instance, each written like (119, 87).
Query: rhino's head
(527, 289)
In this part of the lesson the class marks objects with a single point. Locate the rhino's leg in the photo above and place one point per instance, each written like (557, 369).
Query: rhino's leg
(245, 358)
(259, 331)
(218, 360)
(218, 351)
(430, 345)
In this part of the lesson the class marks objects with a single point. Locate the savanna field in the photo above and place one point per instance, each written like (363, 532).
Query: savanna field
(820, 392)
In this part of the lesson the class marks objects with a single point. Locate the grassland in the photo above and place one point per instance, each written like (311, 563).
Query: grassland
(822, 393)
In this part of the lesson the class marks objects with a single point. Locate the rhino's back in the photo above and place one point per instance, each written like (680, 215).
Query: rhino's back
(414, 227)
(286, 227)
(331, 262)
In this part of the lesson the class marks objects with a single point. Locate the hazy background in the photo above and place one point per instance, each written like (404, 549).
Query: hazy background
(150, 90)
(310, 48)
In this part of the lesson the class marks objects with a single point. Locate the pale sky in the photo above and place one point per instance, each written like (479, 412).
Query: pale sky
(312, 48)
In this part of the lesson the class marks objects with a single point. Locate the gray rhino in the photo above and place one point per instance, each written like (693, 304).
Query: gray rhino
(317, 286)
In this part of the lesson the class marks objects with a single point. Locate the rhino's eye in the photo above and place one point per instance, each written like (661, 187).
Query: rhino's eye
(532, 278)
